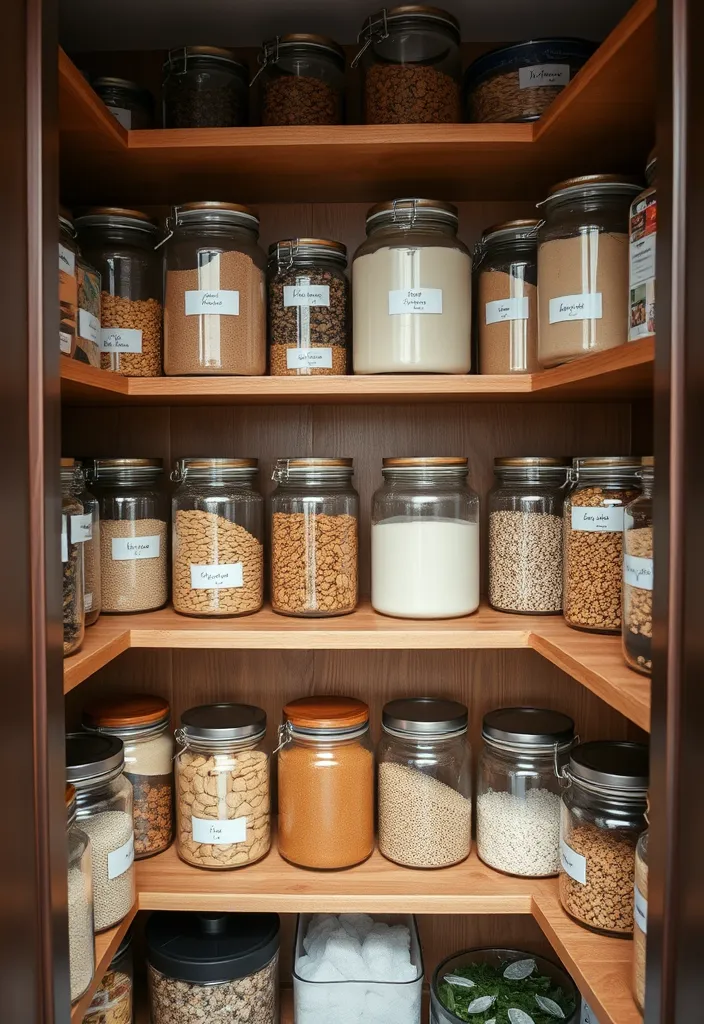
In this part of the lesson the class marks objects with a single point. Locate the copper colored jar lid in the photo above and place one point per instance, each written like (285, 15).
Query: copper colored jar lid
(418, 461)
(133, 712)
(415, 11)
(70, 795)
(115, 216)
(328, 713)
(519, 229)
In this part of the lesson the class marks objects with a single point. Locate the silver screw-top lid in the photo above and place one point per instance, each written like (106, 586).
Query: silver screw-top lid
(222, 722)
(611, 764)
(424, 716)
(528, 727)
(90, 755)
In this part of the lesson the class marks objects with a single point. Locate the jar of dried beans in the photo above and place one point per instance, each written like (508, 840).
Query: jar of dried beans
(314, 537)
(593, 540)
(72, 537)
(218, 531)
(113, 1002)
(640, 921)
(87, 527)
(81, 946)
(637, 627)
(223, 812)
(130, 104)
(302, 80)
(603, 814)
(205, 87)
(326, 783)
(308, 297)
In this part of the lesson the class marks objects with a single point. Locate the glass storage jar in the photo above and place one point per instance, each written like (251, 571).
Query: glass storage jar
(593, 540)
(81, 945)
(424, 766)
(602, 816)
(411, 291)
(130, 104)
(120, 245)
(205, 87)
(326, 783)
(94, 765)
(583, 267)
(525, 534)
(218, 534)
(637, 629)
(642, 249)
(518, 795)
(215, 309)
(68, 286)
(142, 723)
(411, 65)
(302, 80)
(308, 299)
(133, 533)
(213, 966)
(113, 1002)
(87, 528)
(71, 559)
(88, 280)
(425, 540)
(508, 298)
(640, 921)
(223, 808)
(314, 537)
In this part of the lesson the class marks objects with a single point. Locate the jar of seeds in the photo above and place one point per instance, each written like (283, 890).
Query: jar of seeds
(87, 527)
(81, 947)
(638, 576)
(71, 559)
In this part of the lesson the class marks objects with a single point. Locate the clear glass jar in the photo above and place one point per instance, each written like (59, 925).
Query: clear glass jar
(309, 308)
(314, 538)
(583, 267)
(602, 816)
(130, 104)
(87, 349)
(81, 945)
(205, 87)
(120, 245)
(87, 527)
(142, 723)
(593, 540)
(215, 308)
(508, 298)
(412, 291)
(113, 1002)
(518, 795)
(637, 629)
(94, 765)
(71, 559)
(134, 521)
(68, 286)
(640, 921)
(223, 804)
(525, 534)
(411, 65)
(302, 80)
(642, 256)
(326, 783)
(424, 766)
(425, 540)
(218, 537)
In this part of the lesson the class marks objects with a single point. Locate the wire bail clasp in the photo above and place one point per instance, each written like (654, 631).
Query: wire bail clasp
(375, 30)
(269, 55)
(285, 734)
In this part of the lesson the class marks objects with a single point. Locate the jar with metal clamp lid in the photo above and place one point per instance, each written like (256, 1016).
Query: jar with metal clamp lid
(302, 80)
(87, 528)
(129, 103)
(640, 921)
(72, 537)
(68, 284)
(637, 630)
(81, 945)
(205, 87)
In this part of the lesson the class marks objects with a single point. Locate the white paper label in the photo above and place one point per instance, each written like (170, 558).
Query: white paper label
(219, 832)
(216, 577)
(126, 548)
(67, 260)
(415, 300)
(588, 1016)
(507, 309)
(640, 911)
(81, 528)
(122, 115)
(573, 863)
(597, 520)
(543, 74)
(88, 326)
(309, 358)
(638, 572)
(65, 342)
(306, 295)
(88, 602)
(64, 538)
(120, 339)
(643, 260)
(204, 301)
(122, 859)
(575, 307)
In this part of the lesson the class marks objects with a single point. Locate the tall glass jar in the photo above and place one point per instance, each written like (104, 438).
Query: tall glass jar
(205, 87)
(583, 267)
(302, 80)
(68, 285)
(129, 103)
(87, 527)
(593, 540)
(71, 559)
(113, 1002)
(525, 534)
(142, 723)
(425, 540)
(81, 947)
(308, 303)
(603, 814)
(133, 533)
(223, 804)
(518, 795)
(314, 537)
(643, 228)
(94, 765)
(218, 534)
(326, 783)
(637, 627)
(411, 66)
(120, 245)
(215, 308)
(424, 765)
(508, 298)
(412, 291)
(640, 921)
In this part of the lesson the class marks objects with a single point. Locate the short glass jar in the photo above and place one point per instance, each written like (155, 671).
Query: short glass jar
(120, 245)
(411, 65)
(113, 1002)
(637, 629)
(424, 770)
(87, 527)
(68, 286)
(72, 556)
(593, 540)
(215, 307)
(603, 814)
(129, 103)
(81, 945)
(412, 291)
(302, 80)
(205, 87)
(94, 765)
(640, 921)
(642, 252)
(314, 537)
(583, 267)
(309, 308)
(525, 534)
(425, 539)
(142, 723)
(518, 794)
(223, 804)
(326, 783)
(218, 537)
(133, 533)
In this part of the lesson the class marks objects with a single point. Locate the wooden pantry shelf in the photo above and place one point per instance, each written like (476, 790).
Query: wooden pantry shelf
(106, 944)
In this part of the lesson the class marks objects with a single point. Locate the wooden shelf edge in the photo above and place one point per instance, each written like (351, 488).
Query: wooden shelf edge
(88, 112)
(100, 646)
(106, 944)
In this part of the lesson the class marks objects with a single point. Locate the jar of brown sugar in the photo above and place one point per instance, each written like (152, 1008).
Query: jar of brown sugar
(302, 80)
(326, 783)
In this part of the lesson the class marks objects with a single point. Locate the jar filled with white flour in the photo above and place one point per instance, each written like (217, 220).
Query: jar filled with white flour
(425, 539)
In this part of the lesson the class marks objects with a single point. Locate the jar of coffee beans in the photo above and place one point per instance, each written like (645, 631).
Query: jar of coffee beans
(638, 576)
(205, 87)
(302, 80)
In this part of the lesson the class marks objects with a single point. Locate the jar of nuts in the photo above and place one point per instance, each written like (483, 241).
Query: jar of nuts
(638, 576)
(302, 80)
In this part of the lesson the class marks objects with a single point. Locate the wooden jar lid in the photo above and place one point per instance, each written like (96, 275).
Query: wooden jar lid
(126, 712)
(326, 713)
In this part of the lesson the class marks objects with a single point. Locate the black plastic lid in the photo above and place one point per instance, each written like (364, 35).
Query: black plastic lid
(223, 722)
(91, 754)
(611, 764)
(207, 948)
(425, 716)
(529, 727)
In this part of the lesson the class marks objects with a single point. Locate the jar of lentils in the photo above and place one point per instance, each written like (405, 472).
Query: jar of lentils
(88, 526)
(81, 946)
(205, 87)
(72, 537)
(302, 80)
(638, 576)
